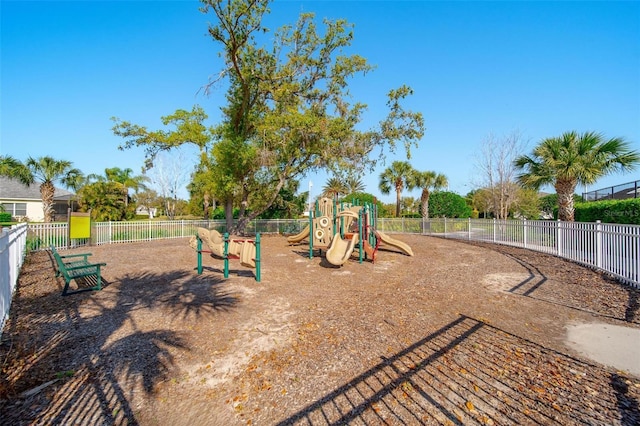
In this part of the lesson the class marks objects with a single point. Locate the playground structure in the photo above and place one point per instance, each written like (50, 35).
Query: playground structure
(340, 228)
(225, 247)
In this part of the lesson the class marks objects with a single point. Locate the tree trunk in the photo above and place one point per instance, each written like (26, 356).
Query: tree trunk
(170, 208)
(243, 220)
(206, 205)
(228, 214)
(565, 189)
(425, 203)
(47, 192)
(398, 192)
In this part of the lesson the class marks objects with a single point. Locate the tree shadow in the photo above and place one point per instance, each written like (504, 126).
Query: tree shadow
(84, 348)
(469, 372)
(178, 293)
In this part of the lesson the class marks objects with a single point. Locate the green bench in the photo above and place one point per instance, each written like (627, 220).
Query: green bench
(77, 267)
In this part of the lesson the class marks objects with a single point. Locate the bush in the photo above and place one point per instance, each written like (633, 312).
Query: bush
(5, 217)
(609, 211)
(448, 204)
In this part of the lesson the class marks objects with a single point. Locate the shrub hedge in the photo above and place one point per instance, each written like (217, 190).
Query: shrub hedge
(609, 211)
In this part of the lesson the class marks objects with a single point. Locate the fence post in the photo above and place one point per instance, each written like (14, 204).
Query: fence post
(559, 238)
(524, 231)
(445, 227)
(598, 244)
(469, 229)
(494, 229)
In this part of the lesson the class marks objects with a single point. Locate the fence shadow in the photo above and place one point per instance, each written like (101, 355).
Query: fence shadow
(633, 307)
(529, 287)
(81, 348)
(469, 372)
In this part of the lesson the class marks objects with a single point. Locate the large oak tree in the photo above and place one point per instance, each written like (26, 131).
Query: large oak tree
(288, 108)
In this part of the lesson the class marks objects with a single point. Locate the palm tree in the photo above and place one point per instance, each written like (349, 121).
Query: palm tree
(353, 184)
(428, 181)
(123, 177)
(45, 170)
(334, 188)
(573, 159)
(8, 165)
(396, 177)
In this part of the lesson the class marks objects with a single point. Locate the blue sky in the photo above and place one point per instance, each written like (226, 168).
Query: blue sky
(477, 68)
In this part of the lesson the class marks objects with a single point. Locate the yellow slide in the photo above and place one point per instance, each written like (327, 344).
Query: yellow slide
(403, 247)
(340, 250)
(294, 239)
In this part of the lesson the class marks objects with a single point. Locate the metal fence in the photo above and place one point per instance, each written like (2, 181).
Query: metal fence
(45, 235)
(12, 253)
(618, 192)
(611, 248)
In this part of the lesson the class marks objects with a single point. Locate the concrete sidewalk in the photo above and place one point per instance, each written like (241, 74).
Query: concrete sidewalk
(612, 345)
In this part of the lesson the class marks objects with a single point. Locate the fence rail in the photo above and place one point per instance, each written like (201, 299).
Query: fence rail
(618, 192)
(12, 253)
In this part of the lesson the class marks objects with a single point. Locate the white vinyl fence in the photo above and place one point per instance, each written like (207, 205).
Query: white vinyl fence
(12, 253)
(611, 248)
(607, 247)
(45, 235)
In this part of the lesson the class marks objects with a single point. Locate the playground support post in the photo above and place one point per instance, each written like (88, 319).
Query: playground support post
(361, 234)
(258, 259)
(199, 255)
(226, 255)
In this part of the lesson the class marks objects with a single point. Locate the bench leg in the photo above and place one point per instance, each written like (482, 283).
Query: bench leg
(97, 287)
(65, 290)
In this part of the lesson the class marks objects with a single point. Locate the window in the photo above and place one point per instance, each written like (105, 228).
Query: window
(16, 209)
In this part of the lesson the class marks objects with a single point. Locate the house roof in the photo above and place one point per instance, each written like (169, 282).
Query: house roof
(14, 189)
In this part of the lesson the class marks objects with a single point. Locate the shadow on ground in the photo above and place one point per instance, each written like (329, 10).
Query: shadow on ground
(85, 345)
(470, 372)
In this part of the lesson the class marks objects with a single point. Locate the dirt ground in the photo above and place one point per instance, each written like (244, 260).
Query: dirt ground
(457, 334)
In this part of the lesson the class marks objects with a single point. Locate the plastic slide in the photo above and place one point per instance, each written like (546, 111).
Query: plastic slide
(340, 250)
(403, 247)
(294, 239)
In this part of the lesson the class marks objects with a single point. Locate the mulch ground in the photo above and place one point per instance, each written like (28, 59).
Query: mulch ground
(458, 334)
